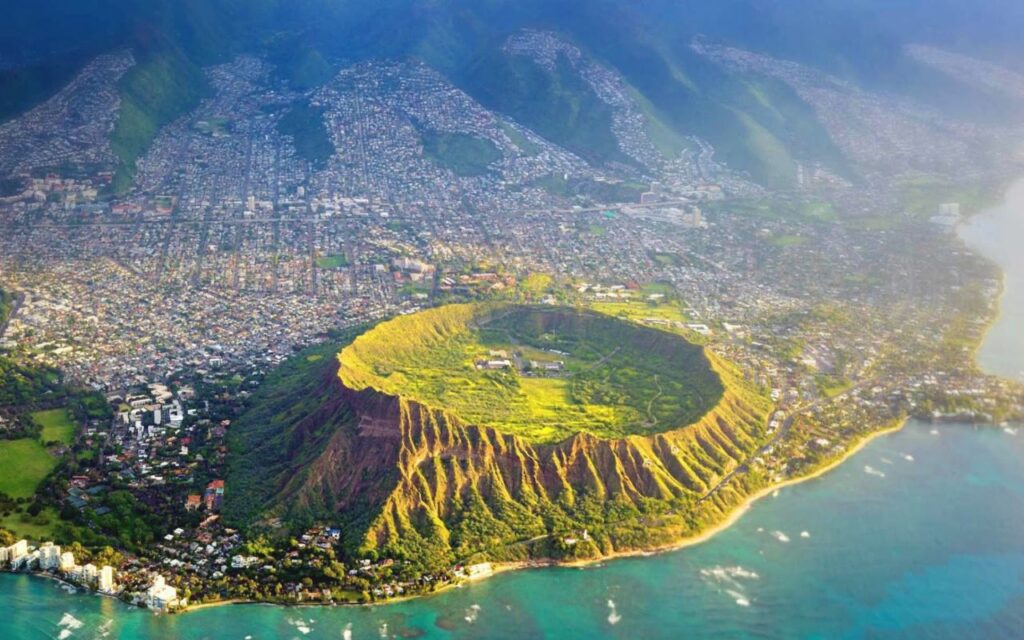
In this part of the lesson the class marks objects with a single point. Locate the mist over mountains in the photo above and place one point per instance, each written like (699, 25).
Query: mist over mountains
(756, 121)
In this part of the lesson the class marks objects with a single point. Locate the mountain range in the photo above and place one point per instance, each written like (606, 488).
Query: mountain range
(659, 54)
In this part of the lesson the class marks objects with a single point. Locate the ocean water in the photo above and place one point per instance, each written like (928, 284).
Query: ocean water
(999, 234)
(920, 535)
(931, 549)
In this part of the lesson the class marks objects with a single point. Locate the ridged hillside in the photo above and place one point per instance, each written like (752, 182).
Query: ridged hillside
(418, 481)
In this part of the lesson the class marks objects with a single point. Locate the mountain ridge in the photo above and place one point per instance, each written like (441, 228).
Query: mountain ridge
(391, 470)
(756, 124)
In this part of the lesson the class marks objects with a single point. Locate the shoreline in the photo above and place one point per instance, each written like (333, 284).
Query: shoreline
(733, 515)
(732, 518)
(997, 317)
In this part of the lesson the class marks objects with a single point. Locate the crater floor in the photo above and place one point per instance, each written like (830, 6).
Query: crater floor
(543, 373)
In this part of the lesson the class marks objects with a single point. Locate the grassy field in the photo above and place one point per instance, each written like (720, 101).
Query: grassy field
(813, 212)
(332, 261)
(616, 378)
(640, 311)
(521, 141)
(25, 463)
(57, 425)
(38, 527)
(787, 241)
(921, 197)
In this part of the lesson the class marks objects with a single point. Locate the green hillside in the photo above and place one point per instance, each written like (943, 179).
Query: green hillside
(559, 106)
(162, 86)
(756, 124)
(291, 393)
(6, 305)
(419, 483)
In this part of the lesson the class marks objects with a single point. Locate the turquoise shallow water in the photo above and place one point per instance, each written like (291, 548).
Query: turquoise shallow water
(921, 535)
(934, 549)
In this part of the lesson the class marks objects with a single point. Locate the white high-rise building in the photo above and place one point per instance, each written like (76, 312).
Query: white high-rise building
(106, 581)
(67, 562)
(16, 553)
(89, 573)
(49, 556)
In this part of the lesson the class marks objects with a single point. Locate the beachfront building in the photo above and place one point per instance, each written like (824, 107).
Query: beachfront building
(49, 556)
(86, 575)
(162, 596)
(106, 580)
(67, 562)
(15, 555)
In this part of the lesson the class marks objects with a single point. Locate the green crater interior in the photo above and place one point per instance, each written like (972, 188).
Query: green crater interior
(544, 373)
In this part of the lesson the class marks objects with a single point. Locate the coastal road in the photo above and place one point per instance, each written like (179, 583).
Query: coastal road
(780, 435)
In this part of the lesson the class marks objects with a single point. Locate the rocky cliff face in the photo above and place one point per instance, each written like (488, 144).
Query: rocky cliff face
(417, 467)
(408, 480)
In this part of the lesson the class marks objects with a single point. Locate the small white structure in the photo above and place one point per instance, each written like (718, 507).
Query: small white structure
(162, 596)
(106, 580)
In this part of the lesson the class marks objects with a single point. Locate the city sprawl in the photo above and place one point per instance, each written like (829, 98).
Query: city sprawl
(851, 306)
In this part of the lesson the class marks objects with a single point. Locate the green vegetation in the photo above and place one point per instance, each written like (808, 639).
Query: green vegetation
(640, 312)
(162, 86)
(597, 190)
(22, 384)
(306, 68)
(305, 124)
(521, 141)
(811, 212)
(831, 386)
(823, 211)
(607, 377)
(535, 284)
(559, 106)
(922, 197)
(332, 261)
(56, 424)
(6, 306)
(26, 463)
(461, 153)
(129, 521)
(756, 123)
(667, 259)
(290, 392)
(787, 241)
(213, 127)
(41, 526)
